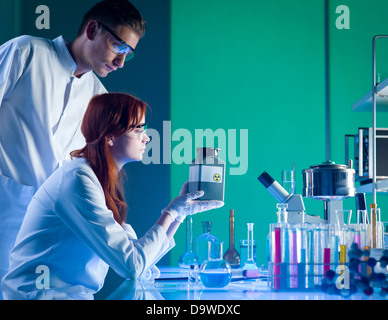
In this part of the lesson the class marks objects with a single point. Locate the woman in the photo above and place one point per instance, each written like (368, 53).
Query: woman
(75, 226)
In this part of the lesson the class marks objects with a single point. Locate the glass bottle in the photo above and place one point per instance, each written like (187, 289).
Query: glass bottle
(189, 257)
(202, 242)
(250, 264)
(282, 213)
(231, 255)
(207, 173)
(193, 275)
(215, 272)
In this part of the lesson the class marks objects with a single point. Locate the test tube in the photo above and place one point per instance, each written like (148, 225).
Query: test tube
(293, 258)
(373, 222)
(302, 250)
(357, 238)
(379, 230)
(325, 233)
(380, 235)
(310, 259)
(342, 253)
(318, 253)
(333, 239)
(326, 260)
(365, 270)
(285, 244)
(277, 258)
(362, 217)
(334, 250)
(357, 234)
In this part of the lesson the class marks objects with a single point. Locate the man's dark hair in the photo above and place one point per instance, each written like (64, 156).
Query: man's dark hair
(114, 13)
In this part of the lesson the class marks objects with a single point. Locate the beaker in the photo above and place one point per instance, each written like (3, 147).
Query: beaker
(343, 217)
(288, 181)
(362, 217)
(215, 272)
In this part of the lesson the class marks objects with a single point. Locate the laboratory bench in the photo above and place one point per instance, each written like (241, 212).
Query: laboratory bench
(173, 285)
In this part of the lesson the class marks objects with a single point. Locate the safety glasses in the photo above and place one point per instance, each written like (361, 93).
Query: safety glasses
(119, 46)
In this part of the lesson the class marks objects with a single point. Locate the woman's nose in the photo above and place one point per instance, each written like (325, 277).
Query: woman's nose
(146, 138)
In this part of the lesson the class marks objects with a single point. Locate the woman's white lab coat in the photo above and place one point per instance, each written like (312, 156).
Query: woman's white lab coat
(69, 233)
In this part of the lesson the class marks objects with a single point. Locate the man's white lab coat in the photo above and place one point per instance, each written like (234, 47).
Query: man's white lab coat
(41, 108)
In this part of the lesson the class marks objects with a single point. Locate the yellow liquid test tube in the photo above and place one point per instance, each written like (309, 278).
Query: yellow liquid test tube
(366, 270)
(342, 253)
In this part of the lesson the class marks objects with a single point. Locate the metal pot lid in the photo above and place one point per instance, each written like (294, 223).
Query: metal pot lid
(329, 165)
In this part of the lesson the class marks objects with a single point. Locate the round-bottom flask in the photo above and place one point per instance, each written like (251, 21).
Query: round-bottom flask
(215, 272)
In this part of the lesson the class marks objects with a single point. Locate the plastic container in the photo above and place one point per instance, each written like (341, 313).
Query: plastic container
(207, 173)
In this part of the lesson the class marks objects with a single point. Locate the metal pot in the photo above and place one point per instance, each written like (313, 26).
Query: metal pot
(329, 181)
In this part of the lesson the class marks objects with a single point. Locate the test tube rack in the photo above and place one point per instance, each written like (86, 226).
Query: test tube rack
(299, 255)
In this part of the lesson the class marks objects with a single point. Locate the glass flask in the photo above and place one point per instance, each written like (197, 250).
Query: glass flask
(250, 264)
(231, 255)
(189, 257)
(202, 242)
(244, 251)
(215, 272)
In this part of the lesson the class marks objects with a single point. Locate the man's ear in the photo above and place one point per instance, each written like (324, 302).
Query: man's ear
(91, 29)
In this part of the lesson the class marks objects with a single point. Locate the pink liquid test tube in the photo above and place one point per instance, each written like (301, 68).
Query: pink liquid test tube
(277, 260)
(357, 239)
(326, 260)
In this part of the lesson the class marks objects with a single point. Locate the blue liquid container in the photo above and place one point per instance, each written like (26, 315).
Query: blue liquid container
(215, 272)
(214, 279)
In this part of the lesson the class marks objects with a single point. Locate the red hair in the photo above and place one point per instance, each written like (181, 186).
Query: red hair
(107, 115)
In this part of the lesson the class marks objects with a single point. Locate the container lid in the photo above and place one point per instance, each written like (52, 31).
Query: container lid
(208, 152)
(329, 165)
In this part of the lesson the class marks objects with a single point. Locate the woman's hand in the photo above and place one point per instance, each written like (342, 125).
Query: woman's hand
(186, 204)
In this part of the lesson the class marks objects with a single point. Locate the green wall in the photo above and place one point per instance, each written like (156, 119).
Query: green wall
(260, 65)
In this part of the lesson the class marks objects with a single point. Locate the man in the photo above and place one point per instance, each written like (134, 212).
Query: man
(45, 87)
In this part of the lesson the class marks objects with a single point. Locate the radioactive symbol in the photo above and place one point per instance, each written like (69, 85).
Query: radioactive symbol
(216, 177)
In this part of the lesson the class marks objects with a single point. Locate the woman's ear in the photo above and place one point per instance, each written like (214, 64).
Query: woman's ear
(110, 140)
